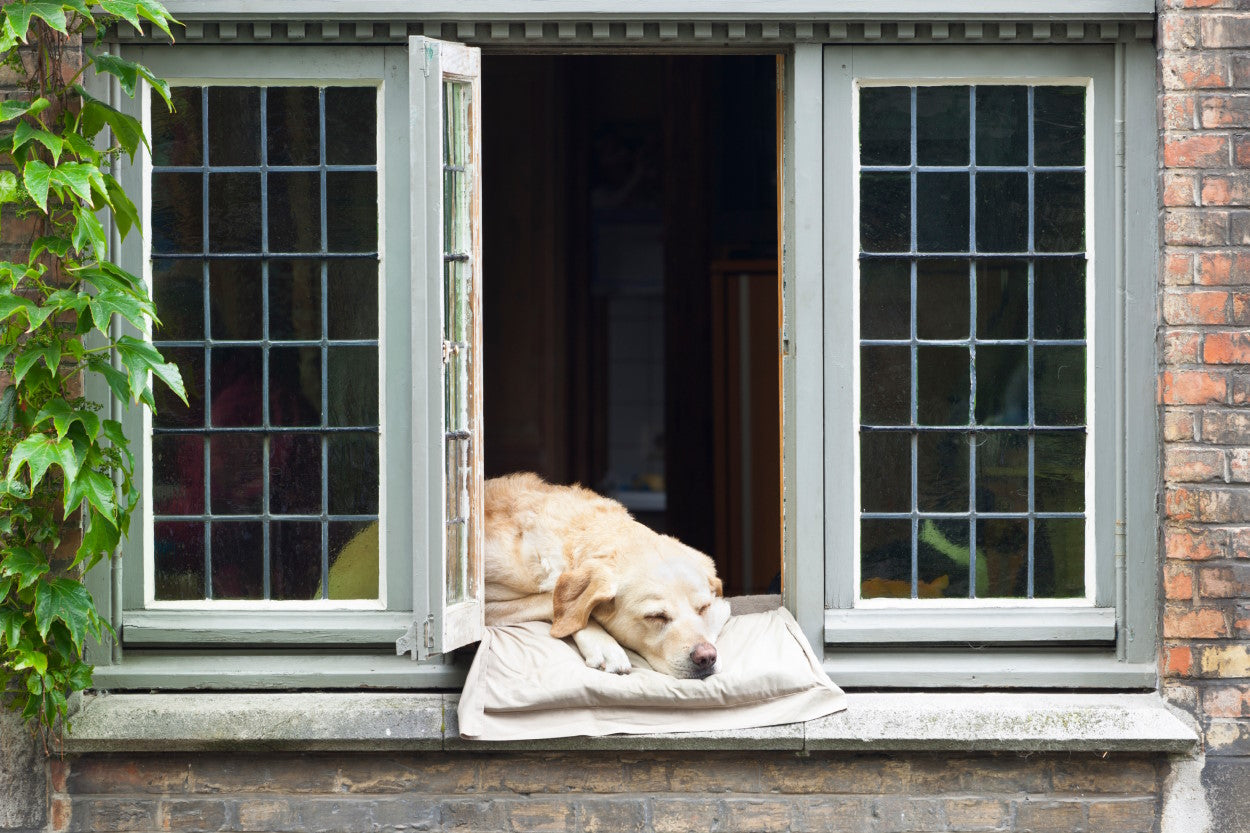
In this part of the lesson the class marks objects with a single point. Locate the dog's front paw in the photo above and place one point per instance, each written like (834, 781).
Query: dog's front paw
(610, 658)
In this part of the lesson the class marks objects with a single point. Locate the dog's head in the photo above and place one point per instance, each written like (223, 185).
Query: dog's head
(655, 595)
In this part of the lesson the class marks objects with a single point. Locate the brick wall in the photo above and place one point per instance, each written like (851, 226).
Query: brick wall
(1204, 384)
(611, 792)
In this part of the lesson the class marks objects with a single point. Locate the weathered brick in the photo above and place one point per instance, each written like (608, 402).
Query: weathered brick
(106, 815)
(1225, 111)
(903, 814)
(1193, 387)
(1224, 505)
(813, 774)
(1180, 188)
(551, 774)
(1178, 661)
(329, 815)
(1241, 307)
(833, 814)
(1226, 348)
(1200, 150)
(1223, 268)
(1178, 31)
(368, 774)
(1200, 623)
(1178, 111)
(620, 815)
(1239, 465)
(1194, 71)
(756, 815)
(1239, 543)
(1133, 815)
(192, 815)
(1225, 427)
(407, 813)
(742, 775)
(1227, 737)
(1224, 582)
(1199, 306)
(1227, 701)
(680, 815)
(1192, 465)
(262, 814)
(1178, 426)
(1178, 269)
(541, 816)
(218, 773)
(1195, 227)
(1181, 346)
(1050, 816)
(1181, 504)
(472, 815)
(1178, 581)
(937, 775)
(1226, 661)
(1225, 30)
(976, 813)
(148, 774)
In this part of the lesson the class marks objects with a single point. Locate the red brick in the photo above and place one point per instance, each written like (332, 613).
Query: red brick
(1224, 506)
(1225, 111)
(1239, 465)
(1178, 661)
(1225, 427)
(1181, 346)
(1178, 426)
(1227, 701)
(1178, 31)
(1178, 111)
(1223, 268)
(1194, 71)
(1178, 581)
(1226, 348)
(62, 813)
(1179, 189)
(1241, 308)
(1195, 544)
(1178, 270)
(1192, 387)
(1225, 30)
(1199, 623)
(1195, 4)
(1226, 189)
(1192, 465)
(1241, 151)
(1231, 582)
(1239, 543)
(1189, 227)
(1202, 150)
(1199, 306)
(1181, 505)
(1240, 394)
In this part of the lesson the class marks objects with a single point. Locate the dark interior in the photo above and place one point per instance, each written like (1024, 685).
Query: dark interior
(631, 301)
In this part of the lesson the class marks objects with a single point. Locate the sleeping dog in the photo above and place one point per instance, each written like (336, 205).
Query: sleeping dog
(565, 555)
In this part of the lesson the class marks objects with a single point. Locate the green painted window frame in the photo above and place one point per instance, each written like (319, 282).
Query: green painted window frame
(1111, 643)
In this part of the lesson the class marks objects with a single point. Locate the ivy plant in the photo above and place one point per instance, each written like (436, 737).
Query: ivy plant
(68, 491)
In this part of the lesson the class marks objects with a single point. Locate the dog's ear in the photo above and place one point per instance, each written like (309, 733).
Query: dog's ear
(718, 586)
(577, 593)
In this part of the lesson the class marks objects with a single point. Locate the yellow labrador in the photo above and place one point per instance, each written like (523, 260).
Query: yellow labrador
(563, 554)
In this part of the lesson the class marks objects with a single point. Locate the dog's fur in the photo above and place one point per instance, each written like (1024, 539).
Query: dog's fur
(563, 554)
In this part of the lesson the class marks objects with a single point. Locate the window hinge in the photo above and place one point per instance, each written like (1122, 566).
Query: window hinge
(429, 632)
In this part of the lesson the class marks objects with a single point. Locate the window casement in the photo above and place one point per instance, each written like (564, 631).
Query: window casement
(967, 433)
(975, 481)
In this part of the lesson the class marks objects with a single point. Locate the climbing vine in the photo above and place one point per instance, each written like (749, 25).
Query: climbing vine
(68, 491)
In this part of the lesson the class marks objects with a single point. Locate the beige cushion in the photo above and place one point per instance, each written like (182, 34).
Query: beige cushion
(524, 684)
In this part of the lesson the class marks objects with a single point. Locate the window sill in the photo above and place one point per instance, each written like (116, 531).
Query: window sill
(873, 721)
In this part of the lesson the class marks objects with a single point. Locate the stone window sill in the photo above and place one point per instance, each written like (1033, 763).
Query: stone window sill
(357, 721)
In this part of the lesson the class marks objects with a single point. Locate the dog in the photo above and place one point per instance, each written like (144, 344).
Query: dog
(565, 555)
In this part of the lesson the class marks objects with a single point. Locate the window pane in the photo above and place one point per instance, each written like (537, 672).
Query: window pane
(885, 125)
(275, 361)
(177, 136)
(884, 299)
(1016, 355)
(178, 559)
(942, 125)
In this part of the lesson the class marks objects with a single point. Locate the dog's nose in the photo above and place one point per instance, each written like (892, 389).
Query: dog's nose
(703, 656)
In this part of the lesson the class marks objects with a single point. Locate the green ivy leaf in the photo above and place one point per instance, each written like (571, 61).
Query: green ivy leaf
(8, 407)
(79, 677)
(50, 353)
(15, 107)
(38, 452)
(31, 659)
(11, 625)
(20, 14)
(66, 600)
(11, 304)
(56, 244)
(10, 190)
(140, 358)
(101, 537)
(88, 231)
(24, 564)
(132, 10)
(124, 212)
(128, 74)
(63, 415)
(105, 276)
(37, 176)
(27, 133)
(135, 310)
(95, 488)
(82, 148)
(78, 177)
(112, 430)
(96, 115)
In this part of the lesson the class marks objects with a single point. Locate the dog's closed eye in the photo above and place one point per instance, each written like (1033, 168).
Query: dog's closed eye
(658, 617)
(703, 609)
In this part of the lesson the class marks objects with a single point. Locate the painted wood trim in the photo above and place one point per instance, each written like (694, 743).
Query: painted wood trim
(235, 628)
(954, 668)
(667, 9)
(997, 625)
(206, 670)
